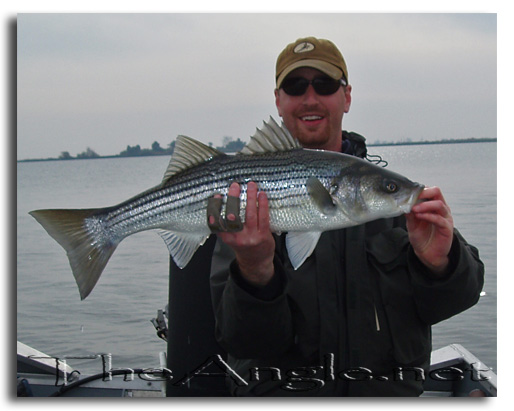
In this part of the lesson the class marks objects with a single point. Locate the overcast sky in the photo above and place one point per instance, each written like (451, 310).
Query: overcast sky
(106, 81)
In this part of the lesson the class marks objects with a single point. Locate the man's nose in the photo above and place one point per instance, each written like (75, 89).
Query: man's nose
(310, 96)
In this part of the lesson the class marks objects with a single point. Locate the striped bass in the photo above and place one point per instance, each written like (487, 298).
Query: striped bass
(309, 191)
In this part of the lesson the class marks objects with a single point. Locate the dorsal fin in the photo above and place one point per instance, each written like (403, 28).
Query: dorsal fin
(271, 137)
(188, 153)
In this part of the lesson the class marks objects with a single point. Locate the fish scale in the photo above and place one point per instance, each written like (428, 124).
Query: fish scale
(309, 191)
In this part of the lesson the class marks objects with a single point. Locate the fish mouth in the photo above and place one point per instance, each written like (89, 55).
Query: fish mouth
(415, 195)
(413, 198)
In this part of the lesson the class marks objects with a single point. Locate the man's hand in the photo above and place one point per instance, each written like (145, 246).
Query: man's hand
(254, 245)
(430, 227)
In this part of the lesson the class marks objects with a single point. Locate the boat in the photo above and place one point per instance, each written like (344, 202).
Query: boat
(454, 372)
(40, 375)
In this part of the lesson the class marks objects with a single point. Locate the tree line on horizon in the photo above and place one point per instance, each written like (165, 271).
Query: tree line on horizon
(229, 146)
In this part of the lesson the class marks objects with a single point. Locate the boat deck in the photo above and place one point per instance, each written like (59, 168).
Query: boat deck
(454, 372)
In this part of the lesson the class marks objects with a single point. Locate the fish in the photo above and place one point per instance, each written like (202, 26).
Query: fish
(309, 192)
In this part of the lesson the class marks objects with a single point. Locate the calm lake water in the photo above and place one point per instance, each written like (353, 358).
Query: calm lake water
(115, 318)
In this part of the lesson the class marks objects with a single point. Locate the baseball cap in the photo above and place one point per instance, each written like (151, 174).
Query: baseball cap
(320, 54)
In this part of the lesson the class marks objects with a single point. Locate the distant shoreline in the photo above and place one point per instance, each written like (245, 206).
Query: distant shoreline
(455, 141)
(153, 154)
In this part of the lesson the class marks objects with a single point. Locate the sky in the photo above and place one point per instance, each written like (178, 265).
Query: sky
(105, 81)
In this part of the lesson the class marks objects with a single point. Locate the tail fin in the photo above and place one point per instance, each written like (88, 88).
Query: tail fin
(88, 256)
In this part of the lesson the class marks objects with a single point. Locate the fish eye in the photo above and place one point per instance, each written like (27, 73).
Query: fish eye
(391, 186)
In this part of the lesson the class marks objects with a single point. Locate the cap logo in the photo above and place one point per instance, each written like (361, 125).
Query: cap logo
(303, 47)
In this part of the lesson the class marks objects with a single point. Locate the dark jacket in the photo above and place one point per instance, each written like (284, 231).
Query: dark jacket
(354, 320)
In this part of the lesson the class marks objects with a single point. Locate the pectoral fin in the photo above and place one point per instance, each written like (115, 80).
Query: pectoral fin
(300, 246)
(320, 196)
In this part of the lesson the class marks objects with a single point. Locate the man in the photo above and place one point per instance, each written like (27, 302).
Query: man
(355, 318)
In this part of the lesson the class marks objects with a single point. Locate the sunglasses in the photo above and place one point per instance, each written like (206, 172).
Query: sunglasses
(324, 86)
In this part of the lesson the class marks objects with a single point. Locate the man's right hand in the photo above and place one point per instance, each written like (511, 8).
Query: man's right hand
(254, 245)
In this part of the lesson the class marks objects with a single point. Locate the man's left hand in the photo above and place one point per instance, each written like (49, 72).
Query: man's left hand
(430, 227)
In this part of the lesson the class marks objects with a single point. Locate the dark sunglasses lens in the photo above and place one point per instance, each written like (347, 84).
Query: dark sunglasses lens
(325, 86)
(295, 86)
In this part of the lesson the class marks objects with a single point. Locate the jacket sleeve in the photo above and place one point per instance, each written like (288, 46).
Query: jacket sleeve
(251, 322)
(440, 299)
(406, 282)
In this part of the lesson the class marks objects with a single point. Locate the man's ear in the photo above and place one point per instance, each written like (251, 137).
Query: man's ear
(348, 96)
(277, 102)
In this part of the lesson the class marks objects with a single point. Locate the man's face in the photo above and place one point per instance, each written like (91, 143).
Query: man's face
(315, 120)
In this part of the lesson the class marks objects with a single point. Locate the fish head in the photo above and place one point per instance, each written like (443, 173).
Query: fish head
(371, 192)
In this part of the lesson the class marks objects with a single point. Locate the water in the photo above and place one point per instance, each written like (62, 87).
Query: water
(115, 318)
